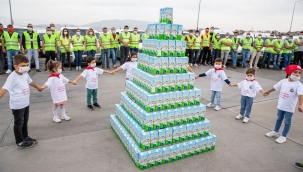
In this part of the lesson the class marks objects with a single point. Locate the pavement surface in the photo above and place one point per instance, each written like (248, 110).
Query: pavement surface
(87, 143)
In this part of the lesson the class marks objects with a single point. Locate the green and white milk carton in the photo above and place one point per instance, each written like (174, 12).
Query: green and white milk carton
(165, 101)
(174, 32)
(161, 140)
(167, 29)
(161, 15)
(189, 131)
(185, 150)
(151, 158)
(170, 118)
(184, 115)
(173, 153)
(191, 114)
(171, 64)
(153, 139)
(143, 160)
(192, 80)
(164, 119)
(150, 103)
(179, 81)
(184, 67)
(209, 143)
(179, 148)
(192, 148)
(180, 48)
(172, 82)
(178, 65)
(179, 98)
(157, 120)
(145, 140)
(202, 110)
(172, 100)
(198, 96)
(204, 144)
(168, 136)
(160, 31)
(201, 129)
(207, 127)
(165, 83)
(164, 65)
(176, 134)
(180, 29)
(166, 153)
(172, 48)
(214, 138)
(196, 130)
(159, 156)
(199, 143)
(159, 100)
(178, 116)
(164, 48)
(169, 15)
(185, 82)
(182, 133)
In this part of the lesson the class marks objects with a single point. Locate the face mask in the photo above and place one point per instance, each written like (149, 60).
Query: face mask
(53, 28)
(10, 29)
(211, 31)
(218, 37)
(134, 59)
(191, 34)
(93, 65)
(1, 29)
(65, 33)
(250, 78)
(259, 37)
(135, 31)
(59, 71)
(23, 69)
(29, 29)
(226, 36)
(294, 78)
(300, 36)
(271, 37)
(217, 66)
(247, 36)
(78, 33)
(49, 32)
(125, 30)
(113, 31)
(206, 31)
(90, 33)
(197, 34)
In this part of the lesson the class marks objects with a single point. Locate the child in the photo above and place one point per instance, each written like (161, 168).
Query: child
(19, 91)
(290, 89)
(249, 88)
(217, 76)
(131, 62)
(91, 75)
(56, 83)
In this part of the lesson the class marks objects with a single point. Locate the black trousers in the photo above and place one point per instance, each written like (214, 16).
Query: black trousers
(300, 57)
(66, 56)
(296, 57)
(20, 123)
(2, 59)
(206, 55)
(124, 54)
(49, 55)
(190, 54)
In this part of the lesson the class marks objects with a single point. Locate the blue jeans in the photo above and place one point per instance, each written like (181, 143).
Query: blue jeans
(245, 56)
(215, 54)
(103, 54)
(234, 56)
(114, 52)
(34, 53)
(134, 50)
(218, 96)
(91, 53)
(287, 121)
(286, 59)
(195, 56)
(78, 57)
(246, 104)
(277, 59)
(10, 54)
(58, 53)
(266, 59)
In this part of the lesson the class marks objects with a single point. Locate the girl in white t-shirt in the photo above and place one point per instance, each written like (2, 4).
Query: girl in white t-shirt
(290, 89)
(131, 62)
(249, 88)
(56, 84)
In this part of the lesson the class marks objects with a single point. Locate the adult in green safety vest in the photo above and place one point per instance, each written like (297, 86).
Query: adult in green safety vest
(246, 44)
(2, 55)
(277, 51)
(65, 42)
(78, 42)
(91, 42)
(288, 47)
(234, 49)
(299, 48)
(215, 48)
(49, 45)
(104, 43)
(12, 46)
(31, 45)
(225, 48)
(190, 44)
(114, 46)
(57, 35)
(135, 40)
(205, 43)
(197, 47)
(258, 45)
(125, 40)
(269, 47)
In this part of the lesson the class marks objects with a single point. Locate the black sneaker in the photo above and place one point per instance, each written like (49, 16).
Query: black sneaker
(30, 139)
(90, 107)
(97, 105)
(299, 165)
(26, 144)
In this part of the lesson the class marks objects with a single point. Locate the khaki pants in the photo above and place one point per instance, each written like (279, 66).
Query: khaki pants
(256, 55)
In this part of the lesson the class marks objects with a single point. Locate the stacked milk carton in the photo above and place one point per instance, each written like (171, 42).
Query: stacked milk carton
(160, 118)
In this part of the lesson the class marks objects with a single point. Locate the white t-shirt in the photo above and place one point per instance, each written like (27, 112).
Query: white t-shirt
(91, 76)
(18, 88)
(249, 88)
(57, 88)
(289, 92)
(129, 69)
(216, 79)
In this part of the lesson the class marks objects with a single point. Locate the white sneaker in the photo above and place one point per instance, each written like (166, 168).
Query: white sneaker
(272, 134)
(281, 139)
(210, 105)
(256, 67)
(56, 119)
(245, 120)
(239, 116)
(8, 72)
(195, 64)
(217, 108)
(65, 117)
(77, 68)
(250, 66)
(115, 66)
(224, 66)
(283, 68)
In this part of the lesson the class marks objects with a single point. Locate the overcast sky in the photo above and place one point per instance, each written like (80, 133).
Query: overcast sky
(225, 14)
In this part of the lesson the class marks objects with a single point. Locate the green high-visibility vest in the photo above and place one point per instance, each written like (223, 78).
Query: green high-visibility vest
(115, 41)
(125, 37)
(217, 44)
(49, 42)
(11, 43)
(66, 42)
(269, 42)
(206, 40)
(224, 47)
(296, 46)
(235, 42)
(105, 40)
(190, 40)
(1, 37)
(279, 46)
(90, 43)
(198, 42)
(287, 51)
(78, 43)
(57, 36)
(246, 45)
(259, 43)
(135, 41)
(28, 40)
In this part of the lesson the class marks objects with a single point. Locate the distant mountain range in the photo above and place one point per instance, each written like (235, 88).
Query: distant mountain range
(119, 24)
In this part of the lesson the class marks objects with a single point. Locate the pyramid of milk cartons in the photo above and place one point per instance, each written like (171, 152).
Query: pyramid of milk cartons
(160, 118)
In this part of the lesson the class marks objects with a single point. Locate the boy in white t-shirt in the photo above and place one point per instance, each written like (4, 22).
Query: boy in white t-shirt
(91, 75)
(290, 89)
(217, 76)
(17, 85)
(249, 88)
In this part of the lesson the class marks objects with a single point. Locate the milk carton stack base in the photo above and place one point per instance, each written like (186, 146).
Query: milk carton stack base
(160, 118)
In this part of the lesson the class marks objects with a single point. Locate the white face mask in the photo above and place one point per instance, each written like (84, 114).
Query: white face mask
(78, 33)
(211, 31)
(59, 71)
(29, 29)
(134, 59)
(259, 37)
(247, 36)
(65, 33)
(191, 34)
(197, 34)
(218, 37)
(113, 31)
(250, 78)
(49, 32)
(125, 30)
(91, 33)
(271, 37)
(53, 28)
(93, 65)
(135, 31)
(23, 69)
(279, 39)
(294, 78)
(217, 66)
(300, 36)
(226, 36)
